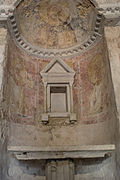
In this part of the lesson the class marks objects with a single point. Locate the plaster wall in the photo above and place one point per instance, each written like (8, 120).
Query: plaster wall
(113, 43)
(24, 94)
(24, 130)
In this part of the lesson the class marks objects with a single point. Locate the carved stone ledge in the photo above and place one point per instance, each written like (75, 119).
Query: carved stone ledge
(90, 151)
(72, 117)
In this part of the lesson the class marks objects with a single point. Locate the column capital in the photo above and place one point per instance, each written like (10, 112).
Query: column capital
(5, 12)
(111, 11)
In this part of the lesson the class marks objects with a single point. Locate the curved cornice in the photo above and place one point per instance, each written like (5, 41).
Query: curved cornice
(110, 11)
(41, 52)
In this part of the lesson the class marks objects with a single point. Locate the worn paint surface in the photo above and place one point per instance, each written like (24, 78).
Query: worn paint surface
(92, 100)
(24, 93)
(91, 88)
(55, 24)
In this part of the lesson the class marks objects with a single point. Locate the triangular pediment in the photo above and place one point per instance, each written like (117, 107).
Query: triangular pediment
(57, 66)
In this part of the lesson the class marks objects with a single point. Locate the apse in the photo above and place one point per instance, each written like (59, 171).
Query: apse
(58, 89)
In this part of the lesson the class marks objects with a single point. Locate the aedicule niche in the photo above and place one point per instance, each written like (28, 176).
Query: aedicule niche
(58, 79)
(57, 100)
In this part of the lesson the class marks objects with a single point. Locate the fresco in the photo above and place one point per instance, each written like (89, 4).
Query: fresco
(97, 76)
(96, 92)
(55, 24)
(92, 92)
(19, 90)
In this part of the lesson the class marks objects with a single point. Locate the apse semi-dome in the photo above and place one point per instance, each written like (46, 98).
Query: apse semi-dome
(55, 24)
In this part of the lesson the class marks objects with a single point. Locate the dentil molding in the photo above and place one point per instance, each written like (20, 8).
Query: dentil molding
(111, 12)
(42, 52)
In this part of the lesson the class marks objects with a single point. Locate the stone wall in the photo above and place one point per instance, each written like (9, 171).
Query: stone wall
(25, 170)
(96, 169)
(3, 122)
(85, 169)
